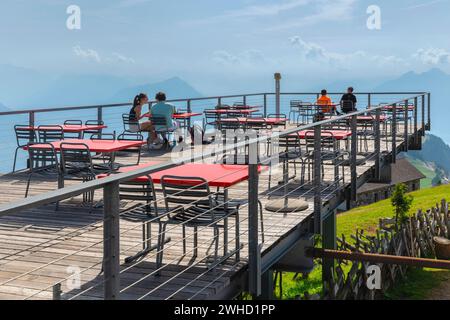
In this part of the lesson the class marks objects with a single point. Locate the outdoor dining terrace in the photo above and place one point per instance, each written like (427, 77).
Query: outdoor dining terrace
(90, 212)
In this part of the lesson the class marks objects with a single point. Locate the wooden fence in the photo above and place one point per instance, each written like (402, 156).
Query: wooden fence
(414, 239)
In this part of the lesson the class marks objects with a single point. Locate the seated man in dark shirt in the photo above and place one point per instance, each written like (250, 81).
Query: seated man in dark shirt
(348, 101)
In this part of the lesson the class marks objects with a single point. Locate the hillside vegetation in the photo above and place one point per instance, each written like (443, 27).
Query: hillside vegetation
(420, 282)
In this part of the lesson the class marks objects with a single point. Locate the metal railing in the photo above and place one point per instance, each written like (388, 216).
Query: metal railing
(385, 141)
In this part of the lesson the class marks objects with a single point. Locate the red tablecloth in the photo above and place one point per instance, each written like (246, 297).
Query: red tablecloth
(337, 134)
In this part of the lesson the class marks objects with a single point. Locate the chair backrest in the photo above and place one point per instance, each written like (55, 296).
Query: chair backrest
(128, 136)
(327, 141)
(290, 143)
(342, 124)
(73, 122)
(140, 192)
(277, 116)
(103, 136)
(159, 121)
(24, 135)
(185, 192)
(93, 123)
(229, 124)
(294, 104)
(75, 156)
(130, 124)
(41, 156)
(256, 123)
(50, 133)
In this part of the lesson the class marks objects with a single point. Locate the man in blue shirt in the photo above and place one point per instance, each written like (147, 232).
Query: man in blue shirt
(164, 109)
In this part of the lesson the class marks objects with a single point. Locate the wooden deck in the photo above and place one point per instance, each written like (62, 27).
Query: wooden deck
(42, 247)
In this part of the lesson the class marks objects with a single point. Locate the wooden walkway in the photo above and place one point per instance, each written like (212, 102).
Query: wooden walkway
(42, 247)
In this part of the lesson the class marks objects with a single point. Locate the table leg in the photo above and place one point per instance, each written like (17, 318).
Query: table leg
(225, 223)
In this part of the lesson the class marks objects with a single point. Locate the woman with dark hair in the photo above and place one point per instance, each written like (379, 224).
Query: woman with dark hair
(136, 114)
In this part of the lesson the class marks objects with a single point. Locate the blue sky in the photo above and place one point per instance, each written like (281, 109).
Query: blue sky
(223, 46)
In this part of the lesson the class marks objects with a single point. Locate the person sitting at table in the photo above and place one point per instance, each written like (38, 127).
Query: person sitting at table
(166, 110)
(136, 115)
(348, 101)
(325, 103)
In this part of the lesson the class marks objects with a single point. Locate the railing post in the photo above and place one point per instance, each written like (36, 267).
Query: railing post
(244, 100)
(406, 116)
(416, 134)
(100, 113)
(377, 145)
(394, 133)
(423, 115)
(31, 123)
(317, 179)
(369, 100)
(254, 256)
(111, 241)
(353, 158)
(189, 110)
(265, 105)
(57, 291)
(277, 93)
(219, 101)
(429, 112)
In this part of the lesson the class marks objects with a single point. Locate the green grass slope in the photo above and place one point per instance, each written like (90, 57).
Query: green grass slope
(419, 282)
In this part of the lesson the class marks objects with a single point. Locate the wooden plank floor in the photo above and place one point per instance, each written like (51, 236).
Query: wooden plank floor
(42, 247)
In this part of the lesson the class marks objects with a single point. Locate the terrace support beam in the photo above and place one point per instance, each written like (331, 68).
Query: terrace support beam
(377, 174)
(111, 241)
(329, 234)
(254, 249)
(267, 286)
(394, 134)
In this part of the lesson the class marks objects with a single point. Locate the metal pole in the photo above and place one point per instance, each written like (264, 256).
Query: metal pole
(277, 93)
(369, 100)
(219, 101)
(423, 115)
(329, 233)
(100, 113)
(265, 105)
(244, 100)
(57, 291)
(406, 136)
(111, 241)
(377, 145)
(31, 122)
(317, 179)
(416, 134)
(394, 133)
(353, 158)
(429, 111)
(254, 260)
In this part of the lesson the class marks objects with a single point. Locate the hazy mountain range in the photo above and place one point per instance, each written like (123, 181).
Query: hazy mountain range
(26, 88)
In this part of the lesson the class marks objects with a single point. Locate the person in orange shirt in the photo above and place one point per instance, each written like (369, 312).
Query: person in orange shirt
(325, 103)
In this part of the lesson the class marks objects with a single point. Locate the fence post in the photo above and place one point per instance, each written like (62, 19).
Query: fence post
(100, 113)
(353, 158)
(394, 133)
(244, 100)
(406, 115)
(369, 100)
(377, 145)
(219, 101)
(317, 179)
(111, 241)
(254, 258)
(429, 112)
(277, 93)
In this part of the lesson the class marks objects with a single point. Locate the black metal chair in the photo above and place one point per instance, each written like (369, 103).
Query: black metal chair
(43, 162)
(130, 124)
(50, 133)
(348, 106)
(279, 116)
(73, 123)
(24, 135)
(189, 203)
(163, 129)
(103, 160)
(144, 211)
(91, 132)
(294, 106)
(135, 150)
(211, 119)
(76, 164)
